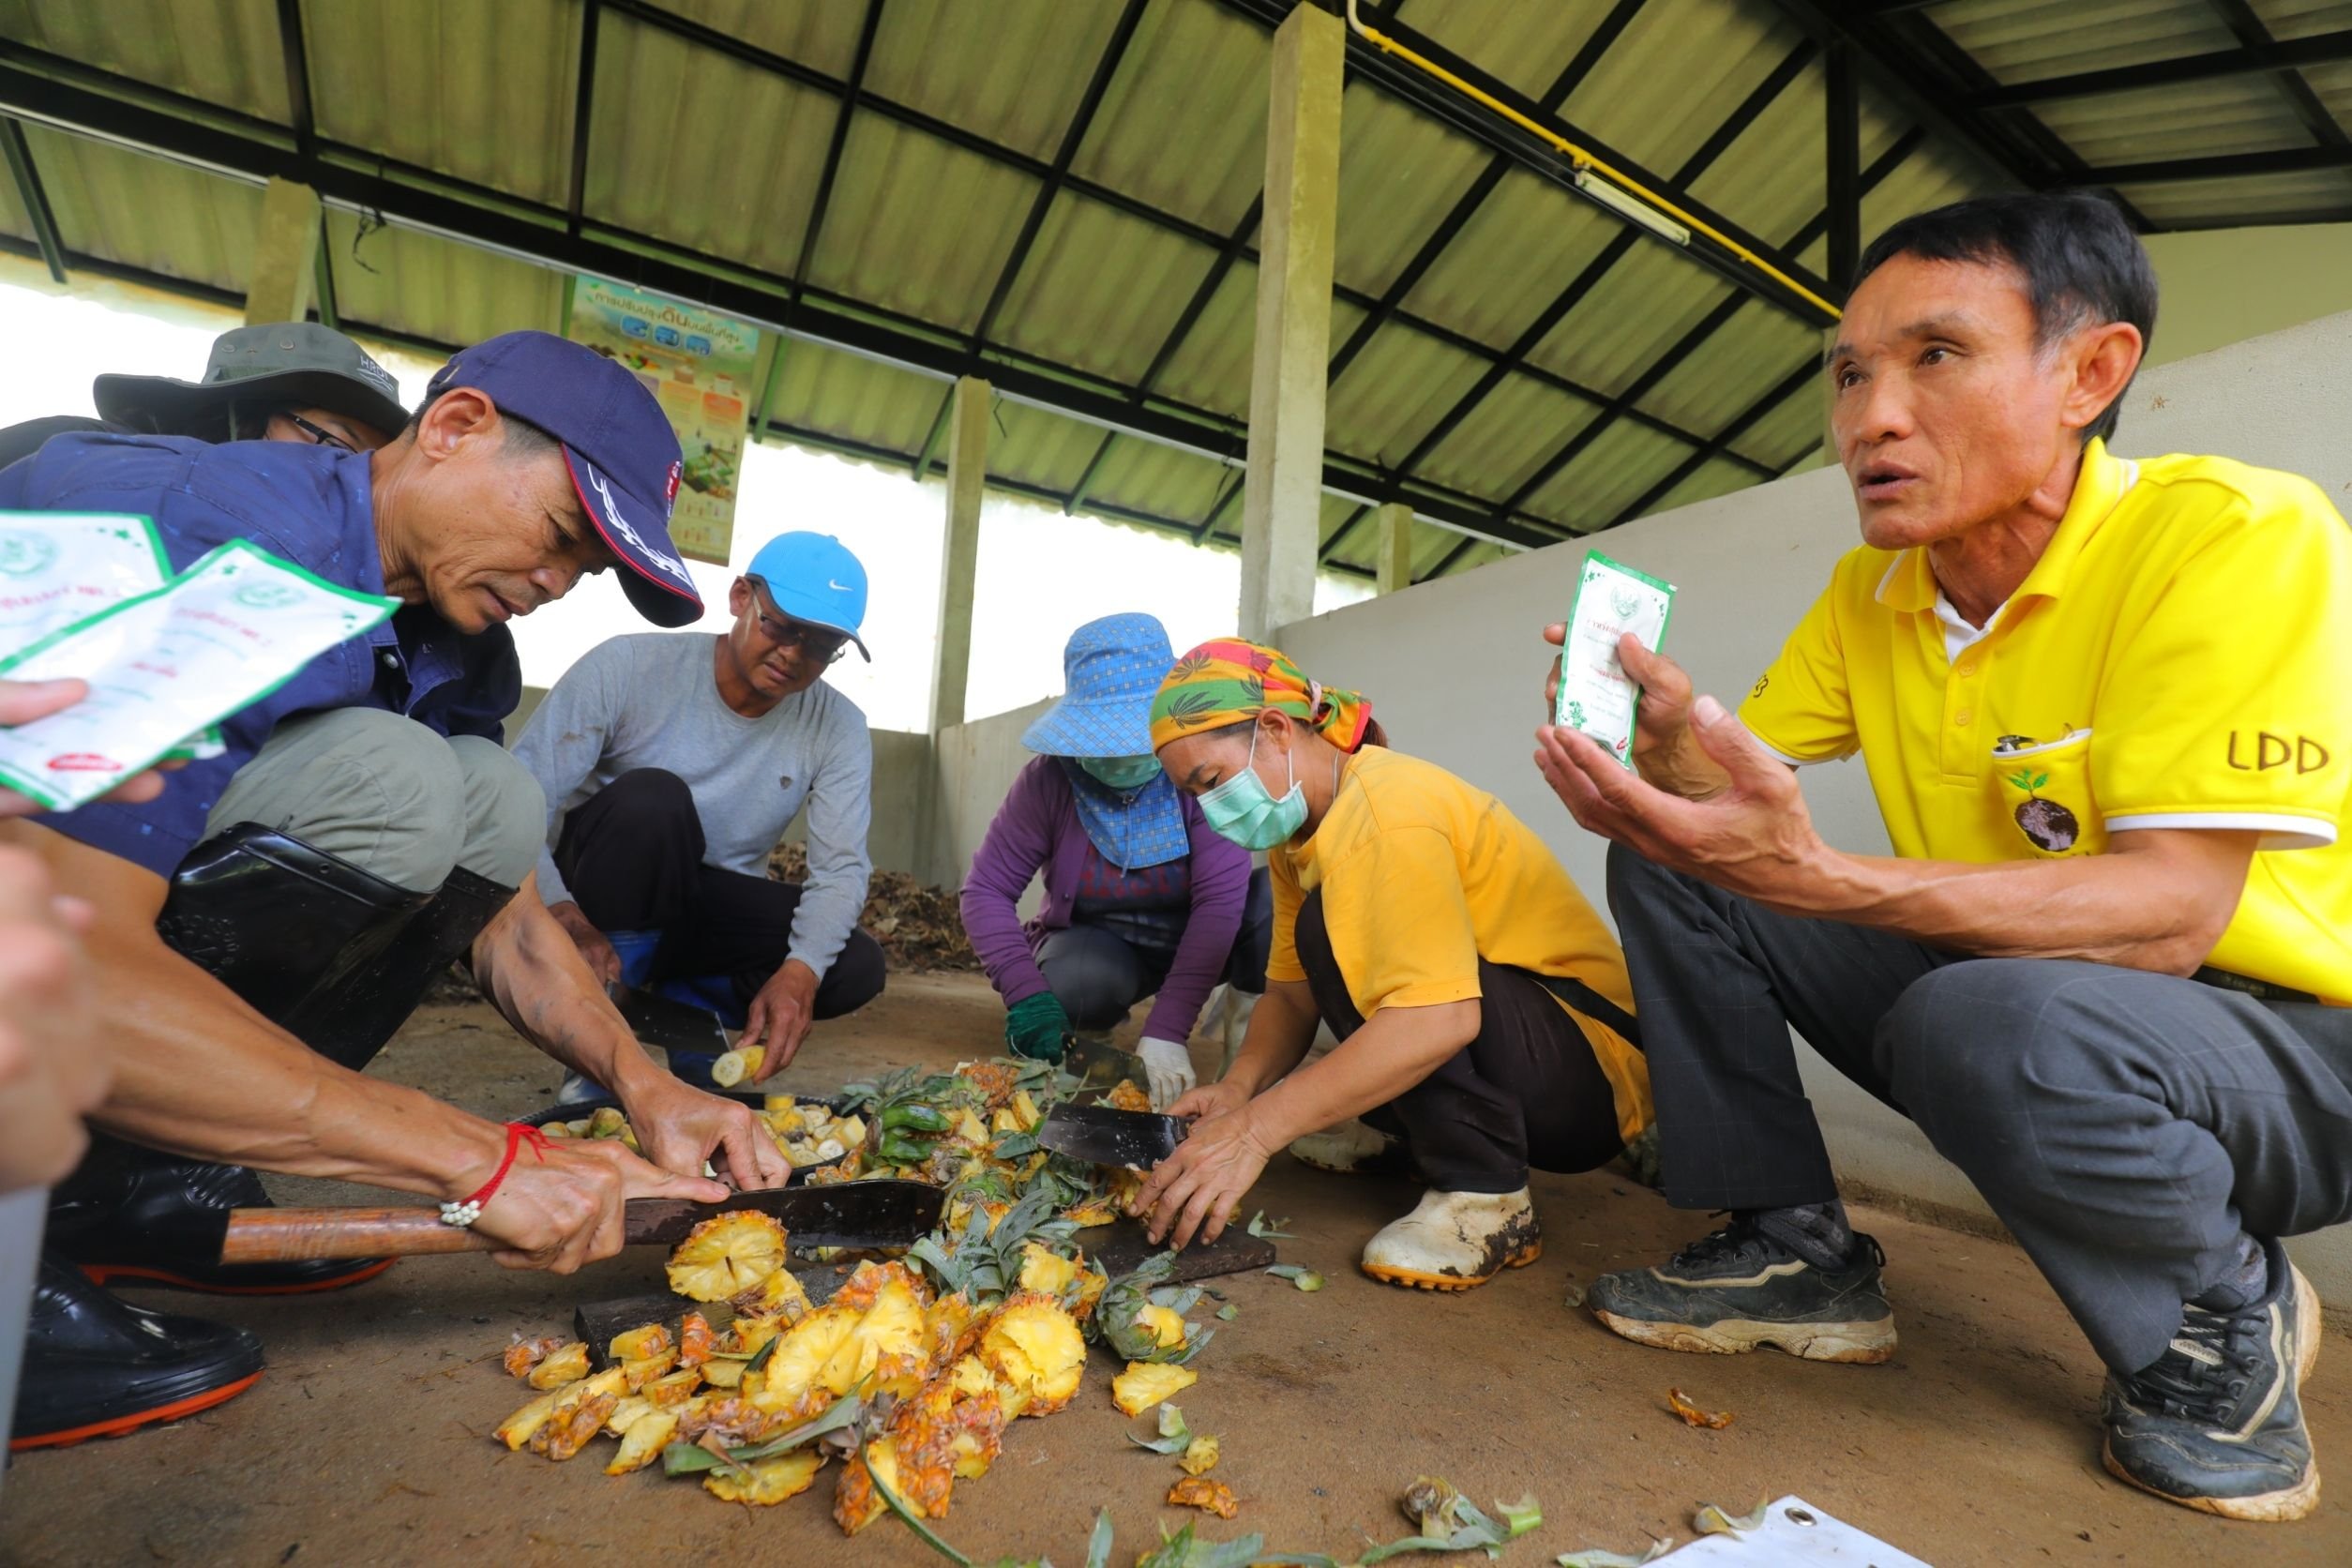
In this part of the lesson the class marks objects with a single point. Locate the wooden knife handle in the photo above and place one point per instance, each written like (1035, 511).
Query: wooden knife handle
(291, 1235)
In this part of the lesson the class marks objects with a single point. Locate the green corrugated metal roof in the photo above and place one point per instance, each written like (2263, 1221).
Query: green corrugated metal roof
(712, 121)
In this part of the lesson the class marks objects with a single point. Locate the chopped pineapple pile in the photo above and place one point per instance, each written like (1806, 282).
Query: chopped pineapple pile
(911, 1372)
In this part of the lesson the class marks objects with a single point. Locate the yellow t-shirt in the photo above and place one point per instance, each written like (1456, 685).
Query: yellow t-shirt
(2180, 658)
(1421, 876)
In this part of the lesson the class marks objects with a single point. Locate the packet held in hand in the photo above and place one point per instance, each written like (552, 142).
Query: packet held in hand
(57, 567)
(227, 632)
(1596, 696)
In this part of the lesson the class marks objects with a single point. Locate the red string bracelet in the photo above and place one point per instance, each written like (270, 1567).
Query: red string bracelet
(465, 1214)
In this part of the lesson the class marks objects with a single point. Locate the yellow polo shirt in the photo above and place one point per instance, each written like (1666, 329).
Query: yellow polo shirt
(2180, 658)
(1421, 876)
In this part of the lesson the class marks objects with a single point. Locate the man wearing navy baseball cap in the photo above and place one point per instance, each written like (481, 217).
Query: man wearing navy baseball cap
(671, 765)
(264, 926)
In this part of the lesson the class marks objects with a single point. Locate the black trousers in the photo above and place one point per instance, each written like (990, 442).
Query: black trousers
(632, 856)
(2126, 1126)
(1526, 1091)
(1097, 974)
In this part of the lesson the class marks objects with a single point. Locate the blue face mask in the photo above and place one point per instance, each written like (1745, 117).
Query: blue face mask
(1244, 811)
(1121, 772)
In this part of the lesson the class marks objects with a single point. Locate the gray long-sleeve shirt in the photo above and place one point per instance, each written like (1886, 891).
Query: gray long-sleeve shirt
(651, 701)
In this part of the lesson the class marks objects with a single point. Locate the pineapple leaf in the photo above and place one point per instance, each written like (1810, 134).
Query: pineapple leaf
(1099, 1543)
(1267, 1231)
(1174, 1438)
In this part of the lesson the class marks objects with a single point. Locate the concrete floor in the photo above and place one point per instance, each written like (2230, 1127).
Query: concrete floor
(367, 1441)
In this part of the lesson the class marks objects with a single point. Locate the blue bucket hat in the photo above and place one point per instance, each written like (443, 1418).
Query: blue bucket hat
(1111, 669)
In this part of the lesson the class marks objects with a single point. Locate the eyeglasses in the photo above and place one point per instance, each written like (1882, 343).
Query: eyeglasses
(320, 434)
(820, 643)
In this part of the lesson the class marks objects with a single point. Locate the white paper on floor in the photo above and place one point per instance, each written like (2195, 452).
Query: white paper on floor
(1795, 1535)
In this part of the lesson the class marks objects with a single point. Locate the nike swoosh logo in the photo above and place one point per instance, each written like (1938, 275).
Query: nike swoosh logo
(836, 587)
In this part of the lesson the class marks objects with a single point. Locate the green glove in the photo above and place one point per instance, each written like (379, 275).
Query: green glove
(1036, 1026)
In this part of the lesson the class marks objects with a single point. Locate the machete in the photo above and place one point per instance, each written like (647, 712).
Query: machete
(1134, 1140)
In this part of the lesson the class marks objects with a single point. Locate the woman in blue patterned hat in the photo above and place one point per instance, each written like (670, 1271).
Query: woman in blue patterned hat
(1141, 898)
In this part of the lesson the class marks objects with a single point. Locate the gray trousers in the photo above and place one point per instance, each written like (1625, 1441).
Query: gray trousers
(2125, 1126)
(392, 797)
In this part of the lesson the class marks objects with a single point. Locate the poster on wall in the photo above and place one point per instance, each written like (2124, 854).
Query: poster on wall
(700, 364)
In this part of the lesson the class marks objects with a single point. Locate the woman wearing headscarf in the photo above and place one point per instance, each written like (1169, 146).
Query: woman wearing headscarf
(1482, 1008)
(1140, 898)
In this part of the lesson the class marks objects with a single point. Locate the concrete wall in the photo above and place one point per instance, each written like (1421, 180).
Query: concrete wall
(1747, 566)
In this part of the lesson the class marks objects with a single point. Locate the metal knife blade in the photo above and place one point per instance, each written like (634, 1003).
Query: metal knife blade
(1136, 1140)
(839, 1213)
(1100, 1065)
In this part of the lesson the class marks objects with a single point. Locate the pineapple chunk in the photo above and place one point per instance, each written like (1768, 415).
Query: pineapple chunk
(856, 1502)
(566, 1434)
(746, 1334)
(772, 1481)
(637, 1344)
(628, 1410)
(650, 1368)
(970, 1128)
(723, 1371)
(1164, 1326)
(525, 1354)
(1214, 1497)
(798, 1363)
(1045, 1272)
(675, 1388)
(1093, 1212)
(850, 1130)
(1035, 1347)
(566, 1366)
(1127, 1097)
(1200, 1456)
(643, 1440)
(1144, 1384)
(1025, 1114)
(971, 1379)
(779, 1295)
(785, 1117)
(1092, 1283)
(727, 1255)
(521, 1426)
(1005, 1122)
(694, 1341)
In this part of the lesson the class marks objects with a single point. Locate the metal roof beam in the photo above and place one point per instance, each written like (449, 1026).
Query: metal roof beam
(1619, 246)
(1448, 106)
(1885, 164)
(2318, 49)
(1580, 66)
(2252, 35)
(1841, 137)
(2223, 166)
(1106, 66)
(583, 111)
(852, 91)
(537, 235)
(1789, 386)
(35, 199)
(296, 57)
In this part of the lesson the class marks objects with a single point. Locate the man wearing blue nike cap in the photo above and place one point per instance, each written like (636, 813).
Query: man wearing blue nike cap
(672, 766)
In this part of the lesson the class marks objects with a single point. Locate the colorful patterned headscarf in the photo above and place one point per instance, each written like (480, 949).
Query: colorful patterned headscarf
(1229, 680)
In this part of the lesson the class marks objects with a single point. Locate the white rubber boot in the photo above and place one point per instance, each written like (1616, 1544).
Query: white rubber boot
(1453, 1241)
(1346, 1149)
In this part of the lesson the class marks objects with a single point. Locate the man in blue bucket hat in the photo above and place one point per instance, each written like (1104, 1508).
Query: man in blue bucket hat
(1142, 898)
(671, 767)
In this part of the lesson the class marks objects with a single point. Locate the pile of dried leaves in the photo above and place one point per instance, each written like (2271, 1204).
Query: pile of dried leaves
(920, 927)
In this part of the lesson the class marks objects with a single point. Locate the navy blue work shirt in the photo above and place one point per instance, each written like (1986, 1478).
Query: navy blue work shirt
(311, 505)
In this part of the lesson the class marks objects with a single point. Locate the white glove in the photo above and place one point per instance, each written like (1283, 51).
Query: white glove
(1169, 1066)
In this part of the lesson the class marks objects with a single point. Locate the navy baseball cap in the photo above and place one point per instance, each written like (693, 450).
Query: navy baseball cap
(622, 455)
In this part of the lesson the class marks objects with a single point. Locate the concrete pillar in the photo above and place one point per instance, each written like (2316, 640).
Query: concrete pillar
(1393, 560)
(967, 468)
(285, 254)
(1282, 500)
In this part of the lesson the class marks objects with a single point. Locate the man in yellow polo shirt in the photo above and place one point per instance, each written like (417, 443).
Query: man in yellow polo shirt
(2106, 710)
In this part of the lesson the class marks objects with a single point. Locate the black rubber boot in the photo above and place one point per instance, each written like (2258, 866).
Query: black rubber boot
(335, 957)
(98, 1367)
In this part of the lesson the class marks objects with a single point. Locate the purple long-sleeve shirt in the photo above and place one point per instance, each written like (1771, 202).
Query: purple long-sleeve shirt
(1037, 829)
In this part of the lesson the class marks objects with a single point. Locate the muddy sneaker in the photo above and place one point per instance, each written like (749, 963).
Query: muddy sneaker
(1739, 1288)
(1453, 1241)
(2216, 1422)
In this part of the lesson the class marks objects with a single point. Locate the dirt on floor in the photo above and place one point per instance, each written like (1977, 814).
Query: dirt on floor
(367, 1442)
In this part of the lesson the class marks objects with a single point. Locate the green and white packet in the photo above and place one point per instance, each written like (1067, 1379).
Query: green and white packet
(58, 567)
(162, 665)
(1596, 696)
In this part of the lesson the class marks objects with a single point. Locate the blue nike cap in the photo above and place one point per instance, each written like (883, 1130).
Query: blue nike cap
(814, 577)
(618, 445)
